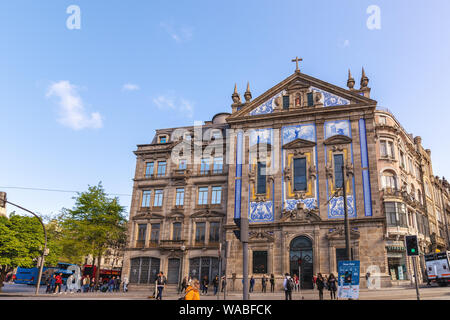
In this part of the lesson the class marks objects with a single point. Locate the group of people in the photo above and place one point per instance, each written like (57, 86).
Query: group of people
(320, 282)
(323, 282)
(56, 282)
(264, 280)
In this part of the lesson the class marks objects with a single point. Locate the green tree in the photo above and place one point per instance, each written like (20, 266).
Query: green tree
(95, 223)
(21, 244)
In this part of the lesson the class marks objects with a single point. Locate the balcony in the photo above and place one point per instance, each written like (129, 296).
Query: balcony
(180, 173)
(171, 244)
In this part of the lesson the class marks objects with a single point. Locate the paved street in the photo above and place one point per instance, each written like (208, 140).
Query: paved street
(24, 292)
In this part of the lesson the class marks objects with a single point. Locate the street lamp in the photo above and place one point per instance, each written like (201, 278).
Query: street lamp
(44, 252)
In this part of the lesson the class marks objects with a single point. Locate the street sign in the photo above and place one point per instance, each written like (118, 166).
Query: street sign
(348, 279)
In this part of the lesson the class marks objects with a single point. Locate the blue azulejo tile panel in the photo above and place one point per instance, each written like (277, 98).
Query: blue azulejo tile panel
(268, 106)
(367, 193)
(260, 136)
(338, 127)
(336, 207)
(261, 212)
(363, 143)
(291, 204)
(301, 131)
(237, 199)
(329, 99)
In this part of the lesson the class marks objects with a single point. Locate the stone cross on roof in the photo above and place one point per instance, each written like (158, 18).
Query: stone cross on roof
(296, 63)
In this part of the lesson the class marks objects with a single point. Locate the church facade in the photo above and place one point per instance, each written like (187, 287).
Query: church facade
(282, 160)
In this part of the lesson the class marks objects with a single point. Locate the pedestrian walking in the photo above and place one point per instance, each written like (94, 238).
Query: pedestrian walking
(53, 284)
(183, 285)
(160, 284)
(193, 291)
(58, 283)
(117, 284)
(86, 283)
(368, 280)
(224, 283)
(296, 282)
(325, 281)
(252, 283)
(125, 284)
(70, 283)
(332, 286)
(216, 284)
(288, 285)
(111, 284)
(48, 284)
(205, 283)
(264, 283)
(272, 283)
(320, 285)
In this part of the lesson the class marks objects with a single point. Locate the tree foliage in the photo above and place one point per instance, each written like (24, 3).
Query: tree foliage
(22, 243)
(94, 224)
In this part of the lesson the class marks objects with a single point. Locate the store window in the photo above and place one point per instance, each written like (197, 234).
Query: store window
(397, 264)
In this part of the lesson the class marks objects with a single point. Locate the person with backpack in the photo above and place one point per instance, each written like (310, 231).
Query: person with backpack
(160, 284)
(332, 286)
(320, 285)
(288, 285)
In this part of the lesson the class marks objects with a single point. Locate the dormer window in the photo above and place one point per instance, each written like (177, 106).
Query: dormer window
(162, 139)
(216, 134)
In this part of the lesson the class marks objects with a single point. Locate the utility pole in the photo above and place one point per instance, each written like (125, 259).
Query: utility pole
(346, 220)
(244, 240)
(44, 252)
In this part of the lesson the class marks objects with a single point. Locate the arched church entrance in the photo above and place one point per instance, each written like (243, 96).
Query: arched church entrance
(301, 260)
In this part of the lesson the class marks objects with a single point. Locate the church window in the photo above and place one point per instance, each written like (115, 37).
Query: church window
(300, 174)
(338, 174)
(261, 178)
(285, 102)
(310, 99)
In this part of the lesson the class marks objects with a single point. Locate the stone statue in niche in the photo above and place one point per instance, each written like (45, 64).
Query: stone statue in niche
(298, 100)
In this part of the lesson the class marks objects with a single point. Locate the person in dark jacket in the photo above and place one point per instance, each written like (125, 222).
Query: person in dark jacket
(264, 283)
(332, 286)
(252, 284)
(160, 284)
(272, 282)
(216, 284)
(205, 283)
(320, 285)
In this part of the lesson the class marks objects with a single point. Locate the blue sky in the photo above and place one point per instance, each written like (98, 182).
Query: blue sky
(75, 103)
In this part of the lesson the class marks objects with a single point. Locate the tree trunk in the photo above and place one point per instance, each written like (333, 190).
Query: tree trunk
(4, 270)
(97, 272)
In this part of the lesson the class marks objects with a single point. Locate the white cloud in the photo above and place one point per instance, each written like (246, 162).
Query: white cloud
(179, 34)
(72, 111)
(130, 87)
(172, 103)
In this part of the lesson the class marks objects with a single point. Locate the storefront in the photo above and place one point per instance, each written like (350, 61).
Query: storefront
(396, 255)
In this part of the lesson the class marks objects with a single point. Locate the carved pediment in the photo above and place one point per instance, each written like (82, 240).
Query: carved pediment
(301, 215)
(207, 213)
(260, 236)
(175, 214)
(337, 139)
(297, 85)
(339, 234)
(299, 143)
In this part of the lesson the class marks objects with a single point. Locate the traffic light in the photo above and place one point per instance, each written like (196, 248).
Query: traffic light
(412, 246)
